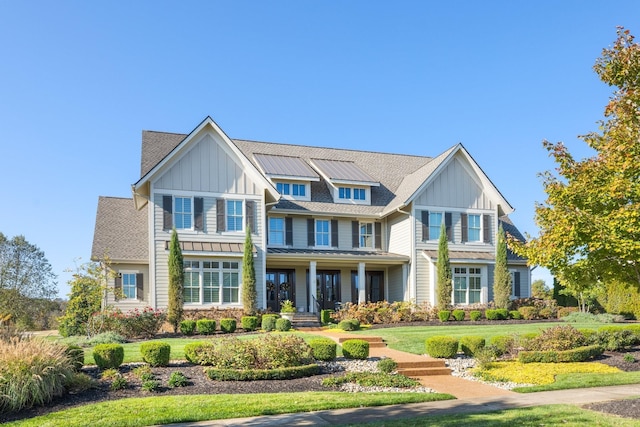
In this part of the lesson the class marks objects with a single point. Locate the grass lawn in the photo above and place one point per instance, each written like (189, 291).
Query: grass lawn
(411, 338)
(570, 381)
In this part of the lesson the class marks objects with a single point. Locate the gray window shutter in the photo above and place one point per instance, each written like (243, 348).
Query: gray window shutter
(288, 234)
(311, 232)
(486, 225)
(355, 234)
(220, 215)
(464, 222)
(378, 234)
(516, 284)
(167, 214)
(117, 286)
(425, 225)
(447, 225)
(139, 286)
(334, 233)
(250, 207)
(198, 213)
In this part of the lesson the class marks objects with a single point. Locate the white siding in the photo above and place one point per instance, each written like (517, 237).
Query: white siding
(395, 287)
(399, 234)
(422, 279)
(126, 304)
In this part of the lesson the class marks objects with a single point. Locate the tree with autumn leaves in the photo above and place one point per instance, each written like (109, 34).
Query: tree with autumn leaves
(590, 223)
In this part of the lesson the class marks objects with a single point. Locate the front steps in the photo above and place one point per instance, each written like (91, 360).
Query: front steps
(305, 320)
(423, 368)
(374, 342)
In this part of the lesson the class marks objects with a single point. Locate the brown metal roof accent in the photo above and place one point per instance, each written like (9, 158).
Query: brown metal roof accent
(454, 255)
(342, 170)
(335, 252)
(120, 231)
(285, 166)
(191, 246)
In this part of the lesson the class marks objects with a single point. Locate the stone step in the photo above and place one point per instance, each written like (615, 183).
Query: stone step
(428, 363)
(368, 339)
(424, 372)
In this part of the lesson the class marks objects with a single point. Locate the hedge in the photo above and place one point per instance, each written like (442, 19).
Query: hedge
(323, 348)
(262, 374)
(458, 315)
(283, 325)
(269, 322)
(475, 315)
(355, 349)
(442, 346)
(444, 315)
(325, 316)
(249, 323)
(579, 354)
(206, 326)
(228, 325)
(188, 327)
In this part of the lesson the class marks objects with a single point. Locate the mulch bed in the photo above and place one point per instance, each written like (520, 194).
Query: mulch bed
(200, 384)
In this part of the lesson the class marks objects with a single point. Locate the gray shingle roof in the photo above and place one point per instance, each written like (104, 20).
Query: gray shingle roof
(120, 231)
(155, 147)
(511, 229)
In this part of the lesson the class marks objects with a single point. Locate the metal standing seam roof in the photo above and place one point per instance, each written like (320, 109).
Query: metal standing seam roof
(335, 252)
(285, 166)
(342, 171)
(462, 255)
(227, 247)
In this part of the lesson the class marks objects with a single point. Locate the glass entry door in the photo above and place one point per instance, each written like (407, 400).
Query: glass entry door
(280, 287)
(328, 289)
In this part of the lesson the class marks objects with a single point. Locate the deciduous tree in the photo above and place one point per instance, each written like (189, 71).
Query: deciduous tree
(88, 286)
(175, 308)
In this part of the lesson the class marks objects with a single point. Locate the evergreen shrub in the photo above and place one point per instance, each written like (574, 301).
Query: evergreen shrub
(442, 347)
(206, 326)
(355, 349)
(269, 322)
(283, 325)
(325, 316)
(155, 353)
(458, 315)
(444, 315)
(249, 323)
(471, 344)
(228, 325)
(108, 355)
(515, 314)
(475, 315)
(188, 327)
(323, 348)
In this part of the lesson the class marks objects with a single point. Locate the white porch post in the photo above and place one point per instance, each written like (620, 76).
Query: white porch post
(405, 283)
(362, 284)
(312, 286)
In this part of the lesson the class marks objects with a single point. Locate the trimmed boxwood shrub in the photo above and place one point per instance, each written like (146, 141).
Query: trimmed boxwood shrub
(458, 315)
(249, 323)
(325, 316)
(491, 314)
(155, 353)
(349, 325)
(108, 355)
(228, 325)
(475, 315)
(355, 349)
(471, 344)
(503, 313)
(206, 326)
(440, 346)
(444, 315)
(192, 351)
(283, 325)
(188, 327)
(269, 322)
(515, 314)
(262, 374)
(76, 355)
(579, 354)
(323, 348)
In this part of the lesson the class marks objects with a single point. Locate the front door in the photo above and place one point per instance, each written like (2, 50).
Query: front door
(327, 289)
(280, 287)
(374, 281)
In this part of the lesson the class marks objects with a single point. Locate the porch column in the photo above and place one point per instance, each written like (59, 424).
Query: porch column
(362, 284)
(312, 287)
(406, 295)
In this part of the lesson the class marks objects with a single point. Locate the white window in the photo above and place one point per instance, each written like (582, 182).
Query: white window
(366, 235)
(467, 285)
(474, 228)
(234, 215)
(435, 222)
(276, 231)
(211, 282)
(182, 213)
(129, 285)
(344, 192)
(323, 232)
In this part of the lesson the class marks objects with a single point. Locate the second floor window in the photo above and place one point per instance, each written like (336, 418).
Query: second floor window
(234, 215)
(182, 215)
(435, 222)
(366, 235)
(359, 194)
(474, 228)
(276, 231)
(323, 233)
(344, 192)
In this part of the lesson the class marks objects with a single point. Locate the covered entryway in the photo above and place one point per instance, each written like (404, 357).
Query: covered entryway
(280, 287)
(327, 289)
(374, 286)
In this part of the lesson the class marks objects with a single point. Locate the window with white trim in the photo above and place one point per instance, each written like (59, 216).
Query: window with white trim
(344, 192)
(276, 231)
(366, 235)
(323, 232)
(292, 189)
(129, 285)
(359, 194)
(234, 215)
(182, 213)
(211, 282)
(435, 222)
(467, 285)
(473, 227)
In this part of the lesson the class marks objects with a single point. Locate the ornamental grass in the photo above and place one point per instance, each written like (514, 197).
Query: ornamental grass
(538, 373)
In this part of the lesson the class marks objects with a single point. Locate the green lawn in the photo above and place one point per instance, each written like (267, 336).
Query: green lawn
(411, 338)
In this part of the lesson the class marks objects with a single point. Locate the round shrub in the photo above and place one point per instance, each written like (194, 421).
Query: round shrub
(283, 325)
(355, 349)
(503, 344)
(387, 366)
(515, 314)
(475, 315)
(269, 322)
(188, 327)
(444, 315)
(528, 313)
(108, 355)
(471, 344)
(206, 326)
(458, 315)
(557, 338)
(323, 348)
(442, 347)
(249, 323)
(491, 314)
(503, 313)
(76, 355)
(155, 353)
(325, 316)
(349, 325)
(228, 325)
(193, 350)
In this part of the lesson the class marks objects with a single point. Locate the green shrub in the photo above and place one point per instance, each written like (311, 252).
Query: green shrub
(108, 355)
(442, 347)
(503, 344)
(559, 338)
(289, 373)
(614, 338)
(486, 356)
(152, 386)
(188, 327)
(629, 358)
(471, 344)
(79, 382)
(155, 353)
(109, 374)
(355, 349)
(106, 338)
(323, 348)
(475, 315)
(444, 315)
(325, 316)
(503, 313)
(546, 313)
(349, 325)
(387, 366)
(283, 325)
(458, 315)
(579, 354)
(515, 314)
(269, 322)
(119, 383)
(206, 326)
(192, 351)
(371, 379)
(228, 325)
(76, 356)
(528, 313)
(178, 379)
(491, 314)
(249, 323)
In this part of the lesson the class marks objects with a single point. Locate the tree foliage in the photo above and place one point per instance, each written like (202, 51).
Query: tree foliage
(539, 289)
(444, 287)
(25, 276)
(88, 285)
(249, 293)
(175, 308)
(501, 275)
(590, 222)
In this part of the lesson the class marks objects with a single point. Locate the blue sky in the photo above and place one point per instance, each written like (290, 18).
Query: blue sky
(80, 80)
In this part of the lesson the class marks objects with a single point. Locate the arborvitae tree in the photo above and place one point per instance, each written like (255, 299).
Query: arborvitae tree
(444, 285)
(501, 275)
(249, 294)
(175, 308)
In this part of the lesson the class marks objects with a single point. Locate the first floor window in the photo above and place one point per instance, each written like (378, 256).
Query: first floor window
(182, 214)
(234, 215)
(129, 285)
(366, 235)
(322, 232)
(467, 285)
(435, 222)
(276, 231)
(211, 282)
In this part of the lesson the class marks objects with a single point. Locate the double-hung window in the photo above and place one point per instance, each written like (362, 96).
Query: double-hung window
(276, 231)
(435, 222)
(191, 288)
(234, 215)
(366, 235)
(129, 285)
(323, 232)
(230, 282)
(474, 228)
(183, 213)
(211, 282)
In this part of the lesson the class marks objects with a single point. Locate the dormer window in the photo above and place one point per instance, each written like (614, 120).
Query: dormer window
(359, 194)
(292, 189)
(344, 193)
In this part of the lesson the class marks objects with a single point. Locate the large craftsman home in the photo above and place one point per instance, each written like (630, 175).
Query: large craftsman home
(329, 225)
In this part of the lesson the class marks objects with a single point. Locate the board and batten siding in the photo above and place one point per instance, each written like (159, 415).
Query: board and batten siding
(208, 167)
